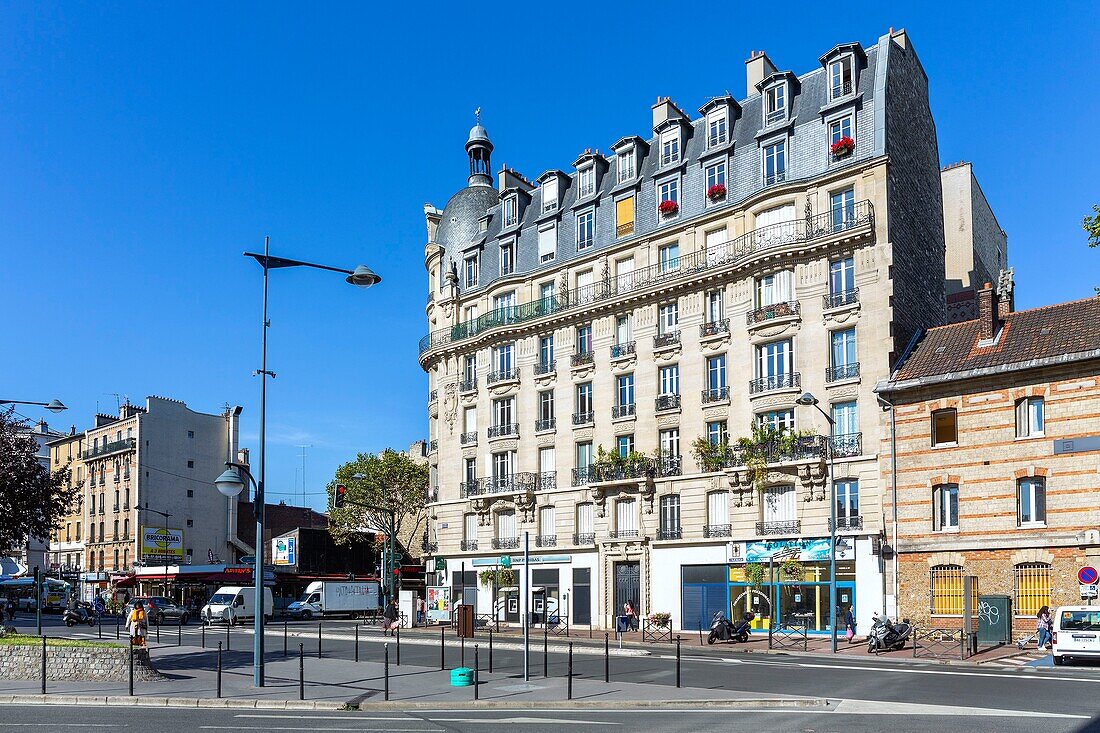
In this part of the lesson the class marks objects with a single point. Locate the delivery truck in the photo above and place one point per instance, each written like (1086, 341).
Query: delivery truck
(332, 598)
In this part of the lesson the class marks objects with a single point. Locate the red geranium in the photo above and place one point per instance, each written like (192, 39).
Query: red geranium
(668, 208)
(716, 192)
(843, 146)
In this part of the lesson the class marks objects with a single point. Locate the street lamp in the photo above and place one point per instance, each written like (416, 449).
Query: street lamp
(54, 406)
(165, 515)
(361, 276)
(808, 400)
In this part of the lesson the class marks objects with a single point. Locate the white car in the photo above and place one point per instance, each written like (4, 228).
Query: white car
(1076, 633)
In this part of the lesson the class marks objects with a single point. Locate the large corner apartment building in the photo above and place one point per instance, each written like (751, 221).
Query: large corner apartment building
(691, 283)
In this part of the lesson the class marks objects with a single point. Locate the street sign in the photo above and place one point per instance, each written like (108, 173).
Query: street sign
(248, 559)
(505, 561)
(1087, 575)
(1088, 590)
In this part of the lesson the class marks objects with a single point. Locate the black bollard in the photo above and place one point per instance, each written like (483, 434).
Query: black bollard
(476, 668)
(131, 668)
(118, 626)
(357, 642)
(677, 660)
(301, 671)
(386, 664)
(227, 625)
(219, 669)
(318, 640)
(158, 633)
(100, 624)
(399, 645)
(569, 680)
(462, 652)
(179, 634)
(285, 652)
(490, 651)
(545, 656)
(606, 658)
(43, 664)
(442, 650)
(204, 635)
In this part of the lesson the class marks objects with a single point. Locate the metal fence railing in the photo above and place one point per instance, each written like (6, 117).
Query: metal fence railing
(788, 636)
(486, 621)
(656, 631)
(939, 643)
(558, 624)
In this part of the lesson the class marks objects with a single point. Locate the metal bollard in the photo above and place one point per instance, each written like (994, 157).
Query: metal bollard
(545, 655)
(118, 626)
(219, 669)
(490, 651)
(301, 671)
(399, 645)
(227, 625)
(462, 653)
(677, 660)
(318, 640)
(606, 657)
(100, 624)
(179, 634)
(442, 650)
(476, 667)
(204, 635)
(356, 643)
(43, 664)
(569, 679)
(131, 668)
(386, 664)
(158, 633)
(285, 652)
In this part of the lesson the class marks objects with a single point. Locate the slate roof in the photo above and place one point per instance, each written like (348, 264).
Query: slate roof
(1026, 337)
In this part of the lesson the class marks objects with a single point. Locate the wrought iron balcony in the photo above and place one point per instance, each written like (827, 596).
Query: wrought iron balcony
(618, 411)
(546, 540)
(106, 448)
(513, 483)
(581, 358)
(775, 116)
(433, 446)
(584, 538)
(546, 481)
(619, 351)
(844, 371)
(467, 545)
(506, 543)
(584, 418)
(803, 448)
(773, 178)
(791, 526)
(718, 530)
(583, 475)
(773, 311)
(670, 534)
(467, 384)
(622, 534)
(840, 89)
(716, 394)
(714, 328)
(847, 445)
(468, 438)
(621, 471)
(846, 523)
(502, 375)
(668, 402)
(790, 380)
(544, 367)
(429, 547)
(841, 299)
(664, 340)
(549, 423)
(504, 431)
(433, 396)
(721, 255)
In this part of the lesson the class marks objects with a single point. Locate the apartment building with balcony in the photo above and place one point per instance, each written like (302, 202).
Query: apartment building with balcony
(587, 328)
(67, 544)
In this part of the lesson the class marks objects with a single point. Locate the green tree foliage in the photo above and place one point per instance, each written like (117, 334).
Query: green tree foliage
(32, 498)
(1091, 225)
(393, 480)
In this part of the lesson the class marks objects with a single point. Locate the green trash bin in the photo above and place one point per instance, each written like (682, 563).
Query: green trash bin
(462, 677)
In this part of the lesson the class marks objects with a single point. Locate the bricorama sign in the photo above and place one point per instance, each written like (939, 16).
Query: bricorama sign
(160, 543)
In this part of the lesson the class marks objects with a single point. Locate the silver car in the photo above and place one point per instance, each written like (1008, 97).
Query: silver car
(159, 609)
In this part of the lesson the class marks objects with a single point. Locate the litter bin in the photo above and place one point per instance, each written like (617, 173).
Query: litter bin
(465, 613)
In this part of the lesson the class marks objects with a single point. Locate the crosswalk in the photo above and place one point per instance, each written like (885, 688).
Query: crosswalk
(1031, 658)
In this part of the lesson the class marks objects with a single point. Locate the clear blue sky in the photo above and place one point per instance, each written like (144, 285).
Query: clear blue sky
(143, 147)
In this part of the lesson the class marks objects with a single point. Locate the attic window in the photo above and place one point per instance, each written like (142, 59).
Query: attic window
(670, 147)
(625, 164)
(510, 211)
(1045, 331)
(586, 181)
(775, 103)
(550, 194)
(717, 128)
(841, 77)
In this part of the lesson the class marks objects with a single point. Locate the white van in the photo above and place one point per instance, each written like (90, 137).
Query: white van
(232, 604)
(1076, 633)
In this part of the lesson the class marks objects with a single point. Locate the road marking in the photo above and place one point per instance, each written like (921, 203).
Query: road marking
(56, 725)
(349, 716)
(313, 728)
(877, 707)
(512, 721)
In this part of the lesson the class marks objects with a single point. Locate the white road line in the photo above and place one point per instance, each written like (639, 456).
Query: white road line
(349, 716)
(315, 728)
(877, 707)
(521, 720)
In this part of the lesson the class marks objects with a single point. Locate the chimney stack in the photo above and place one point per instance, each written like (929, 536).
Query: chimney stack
(1006, 301)
(757, 67)
(665, 109)
(988, 322)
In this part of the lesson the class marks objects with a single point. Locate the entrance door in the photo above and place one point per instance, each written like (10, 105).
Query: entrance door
(580, 610)
(627, 586)
(845, 599)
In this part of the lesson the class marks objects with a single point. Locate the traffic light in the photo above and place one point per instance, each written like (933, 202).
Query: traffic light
(339, 496)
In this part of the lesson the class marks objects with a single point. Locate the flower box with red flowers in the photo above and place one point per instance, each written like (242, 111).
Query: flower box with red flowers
(843, 146)
(668, 208)
(717, 192)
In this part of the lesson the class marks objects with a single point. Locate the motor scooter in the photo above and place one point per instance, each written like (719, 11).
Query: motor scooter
(78, 614)
(722, 629)
(886, 635)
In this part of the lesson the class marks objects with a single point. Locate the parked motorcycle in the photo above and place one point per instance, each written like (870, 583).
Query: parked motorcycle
(722, 629)
(78, 615)
(886, 635)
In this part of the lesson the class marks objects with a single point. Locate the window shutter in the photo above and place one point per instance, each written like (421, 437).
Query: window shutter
(624, 211)
(548, 241)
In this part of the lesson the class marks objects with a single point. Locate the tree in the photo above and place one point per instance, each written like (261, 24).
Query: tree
(32, 499)
(1091, 225)
(393, 480)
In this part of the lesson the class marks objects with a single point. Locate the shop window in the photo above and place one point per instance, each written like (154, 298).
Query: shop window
(1032, 583)
(946, 590)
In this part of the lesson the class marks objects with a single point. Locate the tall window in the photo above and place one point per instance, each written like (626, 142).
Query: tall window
(469, 420)
(471, 271)
(775, 104)
(774, 359)
(623, 330)
(624, 162)
(944, 427)
(716, 246)
(716, 176)
(507, 258)
(716, 128)
(1030, 419)
(945, 507)
(584, 398)
(946, 590)
(847, 501)
(546, 350)
(469, 527)
(715, 306)
(503, 465)
(626, 517)
(843, 207)
(584, 339)
(625, 445)
(625, 388)
(670, 516)
(782, 420)
(668, 318)
(586, 229)
(718, 508)
(775, 163)
(546, 521)
(584, 454)
(511, 211)
(550, 194)
(839, 129)
(840, 77)
(842, 276)
(668, 190)
(780, 504)
(716, 372)
(670, 147)
(669, 379)
(548, 242)
(845, 418)
(668, 257)
(716, 432)
(502, 358)
(584, 518)
(586, 181)
(1031, 581)
(624, 216)
(504, 411)
(1031, 501)
(843, 351)
(506, 525)
(547, 459)
(776, 287)
(470, 471)
(670, 442)
(469, 369)
(546, 406)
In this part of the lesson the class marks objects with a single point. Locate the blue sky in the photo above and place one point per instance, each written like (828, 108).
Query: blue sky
(143, 147)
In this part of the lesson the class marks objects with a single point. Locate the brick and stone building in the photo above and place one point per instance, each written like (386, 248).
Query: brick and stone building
(977, 247)
(998, 448)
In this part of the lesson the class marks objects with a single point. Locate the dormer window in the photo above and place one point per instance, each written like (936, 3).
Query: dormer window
(716, 128)
(511, 211)
(550, 194)
(548, 242)
(470, 269)
(508, 258)
(586, 181)
(775, 104)
(625, 164)
(841, 77)
(670, 147)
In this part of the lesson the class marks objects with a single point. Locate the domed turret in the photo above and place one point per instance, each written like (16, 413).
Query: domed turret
(479, 148)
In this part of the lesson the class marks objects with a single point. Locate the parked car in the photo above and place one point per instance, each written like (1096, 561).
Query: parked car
(233, 604)
(158, 610)
(1076, 634)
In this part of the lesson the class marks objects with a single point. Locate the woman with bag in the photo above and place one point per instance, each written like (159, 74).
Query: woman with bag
(136, 624)
(390, 619)
(1043, 627)
(850, 625)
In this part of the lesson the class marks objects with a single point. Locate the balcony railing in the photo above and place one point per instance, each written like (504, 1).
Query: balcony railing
(773, 311)
(545, 424)
(619, 351)
(618, 411)
(581, 358)
(717, 256)
(644, 468)
(803, 448)
(849, 523)
(841, 299)
(433, 446)
(546, 481)
(718, 530)
(714, 328)
(847, 445)
(468, 384)
(584, 538)
(583, 475)
(790, 526)
(839, 90)
(670, 534)
(790, 380)
(544, 367)
(664, 340)
(668, 402)
(622, 534)
(546, 540)
(503, 431)
(506, 543)
(844, 371)
(469, 488)
(467, 545)
(623, 230)
(514, 483)
(584, 418)
(716, 394)
(468, 438)
(433, 396)
(112, 447)
(773, 178)
(774, 116)
(502, 375)
(429, 547)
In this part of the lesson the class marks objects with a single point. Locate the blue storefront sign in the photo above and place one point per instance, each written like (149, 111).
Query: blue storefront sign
(810, 550)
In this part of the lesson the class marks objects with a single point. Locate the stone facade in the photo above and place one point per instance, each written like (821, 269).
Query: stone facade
(977, 247)
(102, 663)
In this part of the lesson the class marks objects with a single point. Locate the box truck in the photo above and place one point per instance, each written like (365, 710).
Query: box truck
(331, 597)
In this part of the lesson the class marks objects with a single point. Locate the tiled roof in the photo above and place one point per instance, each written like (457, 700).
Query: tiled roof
(1026, 336)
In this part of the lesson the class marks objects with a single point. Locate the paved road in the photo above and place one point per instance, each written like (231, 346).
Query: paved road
(855, 720)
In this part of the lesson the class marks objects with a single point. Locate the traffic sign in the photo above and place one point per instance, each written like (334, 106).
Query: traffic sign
(1087, 575)
(1088, 591)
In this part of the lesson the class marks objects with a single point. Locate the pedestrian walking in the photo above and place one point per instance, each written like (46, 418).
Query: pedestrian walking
(13, 606)
(136, 625)
(390, 618)
(421, 608)
(850, 624)
(631, 613)
(1043, 627)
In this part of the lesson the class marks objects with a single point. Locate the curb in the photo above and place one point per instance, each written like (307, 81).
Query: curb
(170, 702)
